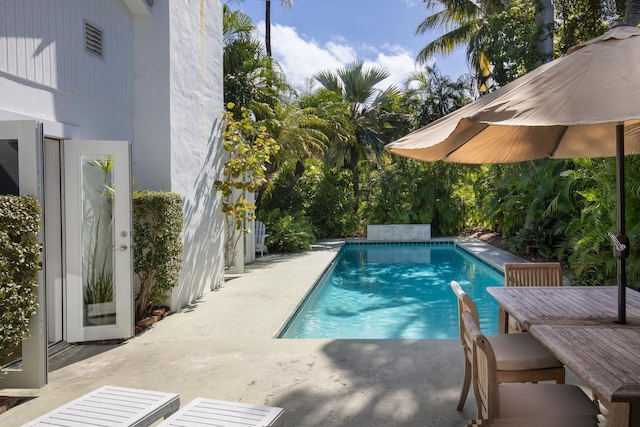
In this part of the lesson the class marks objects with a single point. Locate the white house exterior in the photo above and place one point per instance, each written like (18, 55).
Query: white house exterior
(91, 74)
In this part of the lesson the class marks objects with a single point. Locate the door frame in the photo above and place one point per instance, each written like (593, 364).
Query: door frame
(76, 152)
(34, 370)
(34, 166)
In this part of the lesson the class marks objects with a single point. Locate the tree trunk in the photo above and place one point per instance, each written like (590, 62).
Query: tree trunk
(355, 169)
(270, 169)
(267, 27)
(633, 12)
(544, 16)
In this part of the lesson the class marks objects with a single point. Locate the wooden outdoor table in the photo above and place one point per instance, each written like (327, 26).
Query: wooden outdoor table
(606, 358)
(563, 305)
(578, 325)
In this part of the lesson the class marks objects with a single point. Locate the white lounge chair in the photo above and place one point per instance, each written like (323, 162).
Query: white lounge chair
(112, 406)
(209, 412)
(261, 235)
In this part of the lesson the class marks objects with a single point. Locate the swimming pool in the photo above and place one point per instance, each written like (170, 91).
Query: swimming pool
(395, 291)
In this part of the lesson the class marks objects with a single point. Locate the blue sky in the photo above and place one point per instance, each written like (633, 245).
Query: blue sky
(317, 35)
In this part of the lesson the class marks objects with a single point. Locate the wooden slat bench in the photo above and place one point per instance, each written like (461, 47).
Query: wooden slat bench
(206, 412)
(112, 406)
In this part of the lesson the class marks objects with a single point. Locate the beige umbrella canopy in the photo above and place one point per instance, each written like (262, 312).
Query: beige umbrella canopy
(583, 104)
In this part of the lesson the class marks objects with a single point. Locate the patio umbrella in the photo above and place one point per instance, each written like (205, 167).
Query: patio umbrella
(583, 104)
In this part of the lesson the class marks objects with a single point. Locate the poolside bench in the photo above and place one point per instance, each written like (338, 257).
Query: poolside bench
(202, 412)
(112, 406)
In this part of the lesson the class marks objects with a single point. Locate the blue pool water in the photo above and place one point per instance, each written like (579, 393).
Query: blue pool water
(395, 291)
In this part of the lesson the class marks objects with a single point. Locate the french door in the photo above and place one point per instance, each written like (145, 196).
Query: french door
(97, 182)
(86, 281)
(21, 174)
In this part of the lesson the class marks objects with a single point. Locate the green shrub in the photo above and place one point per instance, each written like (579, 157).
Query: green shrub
(285, 193)
(333, 208)
(288, 233)
(19, 264)
(530, 243)
(157, 246)
(325, 197)
(412, 192)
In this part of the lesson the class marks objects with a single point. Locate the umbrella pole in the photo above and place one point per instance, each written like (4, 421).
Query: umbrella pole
(621, 255)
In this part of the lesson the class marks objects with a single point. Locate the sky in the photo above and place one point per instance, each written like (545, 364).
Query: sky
(317, 35)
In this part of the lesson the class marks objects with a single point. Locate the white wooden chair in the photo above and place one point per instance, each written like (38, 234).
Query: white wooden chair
(522, 404)
(520, 358)
(209, 412)
(261, 235)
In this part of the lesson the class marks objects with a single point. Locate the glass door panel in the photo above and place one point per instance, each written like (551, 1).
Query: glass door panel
(98, 240)
(9, 167)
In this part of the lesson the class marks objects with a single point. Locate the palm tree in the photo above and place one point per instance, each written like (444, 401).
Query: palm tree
(267, 21)
(252, 80)
(465, 19)
(470, 23)
(356, 88)
(438, 95)
(301, 135)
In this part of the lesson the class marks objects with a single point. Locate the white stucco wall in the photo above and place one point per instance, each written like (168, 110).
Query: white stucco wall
(191, 129)
(196, 127)
(46, 74)
(152, 135)
(159, 86)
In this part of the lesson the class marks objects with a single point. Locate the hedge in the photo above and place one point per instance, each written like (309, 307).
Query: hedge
(19, 265)
(157, 247)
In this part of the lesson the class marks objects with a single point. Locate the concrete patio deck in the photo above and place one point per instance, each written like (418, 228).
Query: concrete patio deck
(223, 347)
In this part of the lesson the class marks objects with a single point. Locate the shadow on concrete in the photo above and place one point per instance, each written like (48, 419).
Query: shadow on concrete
(78, 352)
(400, 383)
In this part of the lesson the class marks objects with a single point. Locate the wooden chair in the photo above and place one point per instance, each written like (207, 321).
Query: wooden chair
(533, 274)
(530, 274)
(520, 358)
(522, 404)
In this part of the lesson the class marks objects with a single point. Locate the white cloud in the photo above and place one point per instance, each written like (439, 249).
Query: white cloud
(399, 65)
(301, 57)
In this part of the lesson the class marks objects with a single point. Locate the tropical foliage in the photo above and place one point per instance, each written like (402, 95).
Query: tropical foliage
(332, 177)
(356, 87)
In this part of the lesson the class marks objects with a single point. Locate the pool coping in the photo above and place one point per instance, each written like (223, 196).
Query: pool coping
(491, 255)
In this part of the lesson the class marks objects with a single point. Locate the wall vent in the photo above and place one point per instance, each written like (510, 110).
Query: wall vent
(93, 42)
